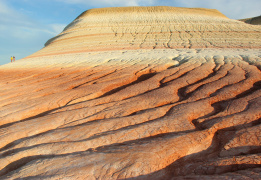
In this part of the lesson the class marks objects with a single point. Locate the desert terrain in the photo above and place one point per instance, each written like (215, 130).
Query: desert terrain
(254, 20)
(136, 93)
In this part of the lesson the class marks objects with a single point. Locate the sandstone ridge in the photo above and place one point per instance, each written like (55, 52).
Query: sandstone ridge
(156, 9)
(78, 110)
(151, 28)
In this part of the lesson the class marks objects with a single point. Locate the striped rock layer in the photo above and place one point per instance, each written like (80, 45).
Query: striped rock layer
(151, 28)
(133, 93)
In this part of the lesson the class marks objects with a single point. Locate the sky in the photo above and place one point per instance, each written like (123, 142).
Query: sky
(25, 25)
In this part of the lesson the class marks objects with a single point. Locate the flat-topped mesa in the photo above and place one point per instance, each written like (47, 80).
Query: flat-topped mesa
(151, 9)
(149, 28)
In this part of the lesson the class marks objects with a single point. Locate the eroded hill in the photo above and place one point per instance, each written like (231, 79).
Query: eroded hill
(168, 93)
(254, 20)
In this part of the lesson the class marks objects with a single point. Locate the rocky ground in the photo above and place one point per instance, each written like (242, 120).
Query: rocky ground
(162, 113)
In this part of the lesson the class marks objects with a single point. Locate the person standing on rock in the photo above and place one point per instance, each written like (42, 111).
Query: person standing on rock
(11, 58)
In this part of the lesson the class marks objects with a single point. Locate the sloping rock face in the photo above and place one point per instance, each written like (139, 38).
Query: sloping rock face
(254, 20)
(134, 93)
(151, 28)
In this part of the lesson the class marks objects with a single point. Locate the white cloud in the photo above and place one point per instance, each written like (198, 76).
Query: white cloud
(20, 34)
(111, 3)
(235, 9)
(13, 20)
(3, 8)
(57, 28)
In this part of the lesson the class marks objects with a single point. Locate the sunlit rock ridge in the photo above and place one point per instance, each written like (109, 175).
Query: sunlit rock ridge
(152, 28)
(136, 93)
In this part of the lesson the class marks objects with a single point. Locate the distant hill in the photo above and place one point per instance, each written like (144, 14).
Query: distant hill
(151, 28)
(254, 20)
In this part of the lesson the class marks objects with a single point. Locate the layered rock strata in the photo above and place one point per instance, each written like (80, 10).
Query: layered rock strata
(151, 28)
(77, 111)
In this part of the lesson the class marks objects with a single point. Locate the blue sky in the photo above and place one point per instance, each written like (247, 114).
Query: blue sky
(25, 25)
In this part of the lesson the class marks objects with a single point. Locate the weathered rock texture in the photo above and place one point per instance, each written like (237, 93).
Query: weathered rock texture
(77, 110)
(254, 20)
(150, 28)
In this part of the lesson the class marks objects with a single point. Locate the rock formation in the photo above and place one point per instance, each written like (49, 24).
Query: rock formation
(254, 20)
(136, 93)
(151, 28)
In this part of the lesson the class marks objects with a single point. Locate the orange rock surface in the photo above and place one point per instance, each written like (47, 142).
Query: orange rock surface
(167, 93)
